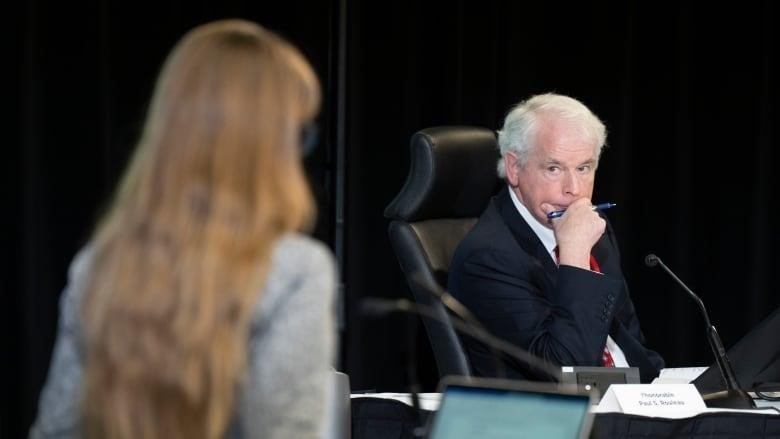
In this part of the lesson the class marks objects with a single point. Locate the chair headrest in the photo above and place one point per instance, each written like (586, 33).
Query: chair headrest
(452, 174)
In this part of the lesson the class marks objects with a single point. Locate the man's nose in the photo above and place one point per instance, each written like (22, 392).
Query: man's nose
(571, 184)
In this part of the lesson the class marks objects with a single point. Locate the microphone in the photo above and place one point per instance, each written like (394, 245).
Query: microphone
(733, 397)
(376, 306)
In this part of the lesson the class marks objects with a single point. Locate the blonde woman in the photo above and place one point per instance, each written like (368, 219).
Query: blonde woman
(197, 309)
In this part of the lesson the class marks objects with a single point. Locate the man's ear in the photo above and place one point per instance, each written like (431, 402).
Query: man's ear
(511, 166)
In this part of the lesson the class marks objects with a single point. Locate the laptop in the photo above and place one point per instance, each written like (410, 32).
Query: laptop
(488, 408)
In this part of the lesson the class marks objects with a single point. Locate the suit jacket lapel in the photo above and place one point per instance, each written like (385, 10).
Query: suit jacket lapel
(600, 251)
(522, 232)
(605, 253)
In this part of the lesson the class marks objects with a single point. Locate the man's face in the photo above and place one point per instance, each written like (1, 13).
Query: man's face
(559, 169)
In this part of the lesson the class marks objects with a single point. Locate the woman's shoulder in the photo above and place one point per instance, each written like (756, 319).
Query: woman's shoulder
(300, 266)
(79, 271)
(295, 250)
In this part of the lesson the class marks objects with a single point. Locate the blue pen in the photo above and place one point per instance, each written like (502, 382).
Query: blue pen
(602, 206)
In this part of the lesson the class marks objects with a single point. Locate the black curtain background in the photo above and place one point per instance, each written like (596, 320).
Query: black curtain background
(688, 93)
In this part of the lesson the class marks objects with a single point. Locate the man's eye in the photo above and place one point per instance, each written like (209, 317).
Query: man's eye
(553, 169)
(584, 169)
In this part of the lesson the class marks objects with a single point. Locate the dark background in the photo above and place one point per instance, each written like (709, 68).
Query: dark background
(688, 93)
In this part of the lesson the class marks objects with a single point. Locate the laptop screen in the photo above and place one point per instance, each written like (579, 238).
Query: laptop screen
(495, 411)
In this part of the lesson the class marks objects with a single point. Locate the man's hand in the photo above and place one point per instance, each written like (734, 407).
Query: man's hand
(576, 232)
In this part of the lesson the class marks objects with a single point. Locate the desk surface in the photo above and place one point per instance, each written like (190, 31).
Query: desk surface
(379, 415)
(430, 402)
(706, 425)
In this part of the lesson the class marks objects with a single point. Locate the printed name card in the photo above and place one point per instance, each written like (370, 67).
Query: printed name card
(663, 400)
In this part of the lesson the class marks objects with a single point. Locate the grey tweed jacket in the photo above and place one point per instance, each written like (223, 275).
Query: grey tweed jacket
(291, 349)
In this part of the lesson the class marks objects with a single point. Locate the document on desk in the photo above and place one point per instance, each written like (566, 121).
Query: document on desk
(679, 375)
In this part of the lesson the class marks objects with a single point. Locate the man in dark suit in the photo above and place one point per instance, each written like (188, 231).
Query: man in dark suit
(551, 286)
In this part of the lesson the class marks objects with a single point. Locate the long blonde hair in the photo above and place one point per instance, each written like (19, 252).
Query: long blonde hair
(182, 255)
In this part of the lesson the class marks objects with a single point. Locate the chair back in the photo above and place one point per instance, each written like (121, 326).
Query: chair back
(452, 176)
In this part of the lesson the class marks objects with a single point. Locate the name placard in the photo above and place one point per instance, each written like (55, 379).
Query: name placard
(666, 400)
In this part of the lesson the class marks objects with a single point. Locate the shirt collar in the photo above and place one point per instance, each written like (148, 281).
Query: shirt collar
(544, 233)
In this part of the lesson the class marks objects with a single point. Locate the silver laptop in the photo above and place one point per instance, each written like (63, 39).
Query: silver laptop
(496, 409)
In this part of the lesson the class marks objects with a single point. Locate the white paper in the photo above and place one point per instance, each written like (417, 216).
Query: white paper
(679, 375)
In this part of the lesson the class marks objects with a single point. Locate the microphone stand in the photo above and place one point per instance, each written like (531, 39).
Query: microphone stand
(411, 369)
(733, 397)
(457, 308)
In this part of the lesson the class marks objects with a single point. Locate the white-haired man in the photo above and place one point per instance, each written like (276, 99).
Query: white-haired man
(552, 286)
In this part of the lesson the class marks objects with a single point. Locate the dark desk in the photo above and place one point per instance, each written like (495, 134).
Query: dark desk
(709, 425)
(379, 418)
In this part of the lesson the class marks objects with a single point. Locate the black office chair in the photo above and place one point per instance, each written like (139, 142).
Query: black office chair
(452, 176)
